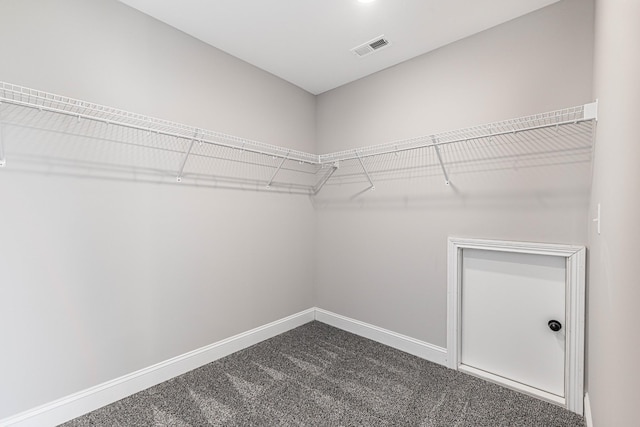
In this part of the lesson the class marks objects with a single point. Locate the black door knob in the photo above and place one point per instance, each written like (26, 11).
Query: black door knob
(554, 325)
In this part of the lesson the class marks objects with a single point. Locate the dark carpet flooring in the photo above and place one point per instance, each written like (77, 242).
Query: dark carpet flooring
(317, 375)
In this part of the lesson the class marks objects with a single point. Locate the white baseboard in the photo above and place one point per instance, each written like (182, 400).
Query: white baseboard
(587, 411)
(70, 407)
(404, 343)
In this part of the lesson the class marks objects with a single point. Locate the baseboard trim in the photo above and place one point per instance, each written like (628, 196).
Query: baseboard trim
(404, 343)
(587, 411)
(72, 406)
(77, 404)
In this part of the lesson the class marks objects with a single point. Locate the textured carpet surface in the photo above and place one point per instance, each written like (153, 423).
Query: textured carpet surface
(317, 375)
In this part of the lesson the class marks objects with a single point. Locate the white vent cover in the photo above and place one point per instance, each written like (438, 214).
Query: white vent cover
(371, 46)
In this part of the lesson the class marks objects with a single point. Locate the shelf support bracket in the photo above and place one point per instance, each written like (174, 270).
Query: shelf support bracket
(284, 159)
(186, 157)
(334, 167)
(591, 111)
(444, 170)
(366, 172)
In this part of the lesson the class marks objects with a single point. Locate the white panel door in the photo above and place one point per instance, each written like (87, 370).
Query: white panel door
(508, 300)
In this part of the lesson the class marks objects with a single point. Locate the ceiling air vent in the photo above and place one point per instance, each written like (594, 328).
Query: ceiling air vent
(371, 46)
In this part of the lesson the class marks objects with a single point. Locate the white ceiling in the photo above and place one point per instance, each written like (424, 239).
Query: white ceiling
(308, 42)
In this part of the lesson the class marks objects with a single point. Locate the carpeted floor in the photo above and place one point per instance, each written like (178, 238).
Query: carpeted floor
(317, 375)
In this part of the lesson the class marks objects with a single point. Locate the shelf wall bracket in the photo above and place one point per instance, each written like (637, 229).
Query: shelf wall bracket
(332, 169)
(284, 159)
(186, 157)
(366, 172)
(591, 111)
(444, 170)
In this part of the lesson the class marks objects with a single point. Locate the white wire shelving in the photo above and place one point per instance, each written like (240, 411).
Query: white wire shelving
(542, 139)
(147, 146)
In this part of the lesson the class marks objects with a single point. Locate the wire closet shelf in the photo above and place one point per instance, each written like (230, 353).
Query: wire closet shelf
(191, 154)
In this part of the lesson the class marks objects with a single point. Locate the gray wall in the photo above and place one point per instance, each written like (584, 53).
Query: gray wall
(613, 339)
(101, 277)
(382, 254)
(104, 277)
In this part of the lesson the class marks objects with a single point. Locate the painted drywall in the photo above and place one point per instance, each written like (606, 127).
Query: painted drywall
(613, 340)
(382, 254)
(102, 277)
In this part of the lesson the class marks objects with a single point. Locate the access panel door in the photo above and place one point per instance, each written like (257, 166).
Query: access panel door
(513, 317)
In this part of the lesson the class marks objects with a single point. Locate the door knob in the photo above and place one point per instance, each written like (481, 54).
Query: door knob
(554, 325)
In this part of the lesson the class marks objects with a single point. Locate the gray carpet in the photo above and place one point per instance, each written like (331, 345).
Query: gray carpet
(317, 375)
